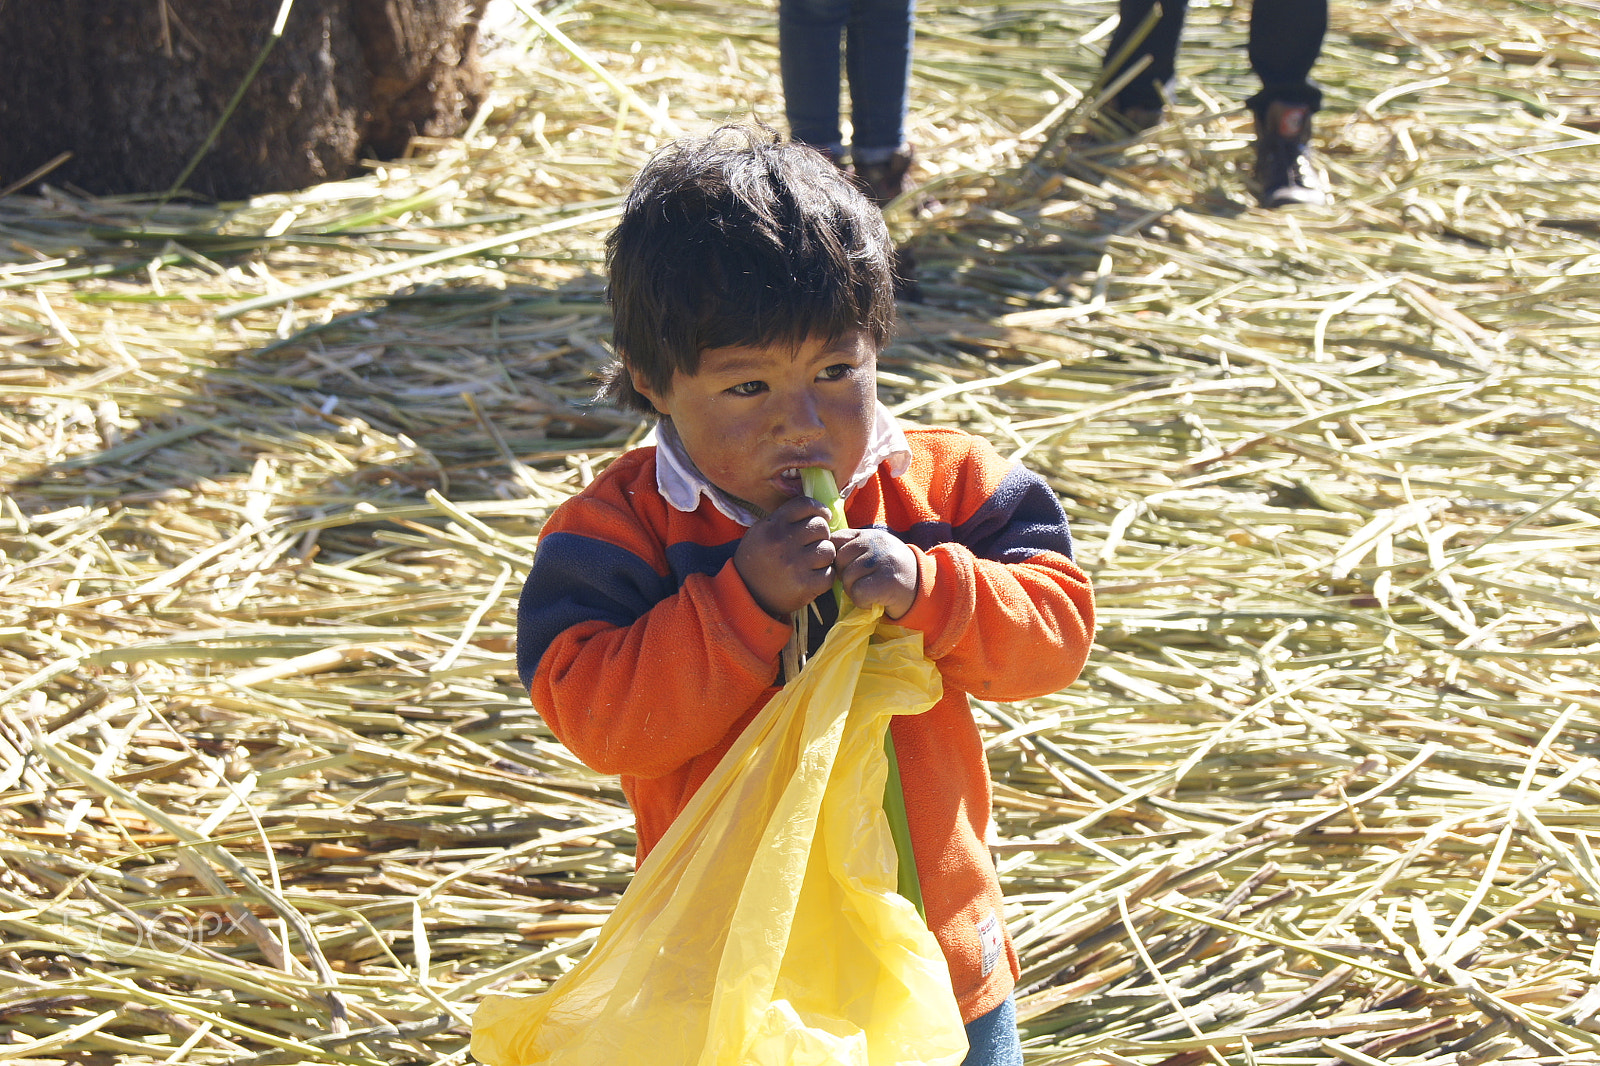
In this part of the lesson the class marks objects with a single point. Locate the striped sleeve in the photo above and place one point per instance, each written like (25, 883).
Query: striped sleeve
(635, 671)
(1003, 608)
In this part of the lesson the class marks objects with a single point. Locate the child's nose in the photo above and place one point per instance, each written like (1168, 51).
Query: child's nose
(801, 421)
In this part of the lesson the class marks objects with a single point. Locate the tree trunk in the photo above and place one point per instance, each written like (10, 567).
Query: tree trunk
(132, 89)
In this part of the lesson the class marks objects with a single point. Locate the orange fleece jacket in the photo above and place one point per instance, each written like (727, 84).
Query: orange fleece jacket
(645, 653)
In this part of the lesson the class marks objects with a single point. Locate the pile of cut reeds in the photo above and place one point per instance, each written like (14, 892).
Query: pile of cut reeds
(1327, 793)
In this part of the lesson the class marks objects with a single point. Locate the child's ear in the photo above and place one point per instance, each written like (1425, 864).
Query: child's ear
(642, 387)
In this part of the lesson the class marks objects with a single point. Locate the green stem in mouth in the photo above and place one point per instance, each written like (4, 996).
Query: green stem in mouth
(818, 483)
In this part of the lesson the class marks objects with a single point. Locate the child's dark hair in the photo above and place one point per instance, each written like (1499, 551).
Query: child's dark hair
(738, 238)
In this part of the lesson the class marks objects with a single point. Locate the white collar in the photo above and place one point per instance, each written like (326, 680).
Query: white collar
(682, 484)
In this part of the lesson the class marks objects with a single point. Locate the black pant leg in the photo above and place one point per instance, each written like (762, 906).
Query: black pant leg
(1144, 91)
(1285, 41)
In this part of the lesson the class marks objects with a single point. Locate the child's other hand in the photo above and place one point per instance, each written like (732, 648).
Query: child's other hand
(877, 568)
(786, 558)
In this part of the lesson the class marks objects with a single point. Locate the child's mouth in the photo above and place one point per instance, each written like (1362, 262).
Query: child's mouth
(789, 477)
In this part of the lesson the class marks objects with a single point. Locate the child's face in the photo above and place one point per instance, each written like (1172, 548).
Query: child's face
(753, 416)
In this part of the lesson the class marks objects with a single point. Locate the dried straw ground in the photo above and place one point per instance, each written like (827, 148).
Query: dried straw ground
(1327, 793)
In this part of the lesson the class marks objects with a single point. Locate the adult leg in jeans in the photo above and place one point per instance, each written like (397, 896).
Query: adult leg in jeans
(877, 50)
(1285, 41)
(810, 36)
(1141, 99)
(878, 66)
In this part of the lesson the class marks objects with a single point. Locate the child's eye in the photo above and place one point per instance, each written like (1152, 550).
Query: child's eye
(836, 371)
(748, 388)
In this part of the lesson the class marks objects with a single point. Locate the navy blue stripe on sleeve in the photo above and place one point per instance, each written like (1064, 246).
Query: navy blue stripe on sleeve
(579, 579)
(1020, 519)
(687, 559)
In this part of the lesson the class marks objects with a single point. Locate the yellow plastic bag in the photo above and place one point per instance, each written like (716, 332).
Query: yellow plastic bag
(764, 929)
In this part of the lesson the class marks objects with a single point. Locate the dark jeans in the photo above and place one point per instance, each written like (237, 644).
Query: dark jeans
(992, 1039)
(877, 54)
(1285, 40)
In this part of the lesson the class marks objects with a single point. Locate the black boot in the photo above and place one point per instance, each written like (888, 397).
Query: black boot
(1283, 167)
(884, 181)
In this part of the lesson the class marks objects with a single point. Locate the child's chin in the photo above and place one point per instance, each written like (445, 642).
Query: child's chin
(762, 499)
(773, 497)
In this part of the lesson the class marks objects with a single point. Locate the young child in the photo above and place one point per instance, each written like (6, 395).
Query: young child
(751, 294)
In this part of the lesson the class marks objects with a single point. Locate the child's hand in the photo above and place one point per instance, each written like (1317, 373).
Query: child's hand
(786, 559)
(877, 569)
